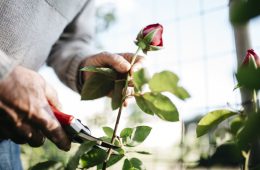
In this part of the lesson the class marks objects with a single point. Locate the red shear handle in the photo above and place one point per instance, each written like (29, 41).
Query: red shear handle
(63, 118)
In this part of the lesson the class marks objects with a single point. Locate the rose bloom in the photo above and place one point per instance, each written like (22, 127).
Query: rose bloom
(157, 37)
(150, 38)
(251, 54)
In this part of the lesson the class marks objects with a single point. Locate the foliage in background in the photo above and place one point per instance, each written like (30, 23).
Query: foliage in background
(48, 152)
(105, 17)
(243, 124)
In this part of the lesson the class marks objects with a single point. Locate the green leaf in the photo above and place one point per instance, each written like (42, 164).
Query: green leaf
(133, 164)
(117, 94)
(161, 106)
(46, 165)
(166, 81)
(248, 77)
(74, 160)
(143, 152)
(108, 72)
(112, 160)
(135, 136)
(140, 78)
(108, 131)
(211, 120)
(163, 81)
(236, 124)
(96, 86)
(137, 163)
(126, 132)
(126, 135)
(127, 165)
(138, 135)
(94, 157)
(248, 132)
(181, 93)
(120, 151)
(140, 101)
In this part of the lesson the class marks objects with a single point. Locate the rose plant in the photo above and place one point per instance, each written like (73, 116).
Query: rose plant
(243, 123)
(152, 102)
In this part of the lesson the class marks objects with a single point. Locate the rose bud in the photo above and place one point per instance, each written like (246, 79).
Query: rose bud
(251, 56)
(150, 38)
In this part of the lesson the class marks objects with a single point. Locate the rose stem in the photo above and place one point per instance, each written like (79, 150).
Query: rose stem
(120, 109)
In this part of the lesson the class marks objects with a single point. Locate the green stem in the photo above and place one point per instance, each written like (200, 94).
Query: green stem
(255, 103)
(255, 110)
(120, 109)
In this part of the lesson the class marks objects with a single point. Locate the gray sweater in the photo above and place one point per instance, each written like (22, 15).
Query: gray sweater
(35, 31)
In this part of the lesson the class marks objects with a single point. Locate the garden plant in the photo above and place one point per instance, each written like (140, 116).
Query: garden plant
(243, 123)
(149, 96)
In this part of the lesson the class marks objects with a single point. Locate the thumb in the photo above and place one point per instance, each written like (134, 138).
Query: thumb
(118, 62)
(52, 96)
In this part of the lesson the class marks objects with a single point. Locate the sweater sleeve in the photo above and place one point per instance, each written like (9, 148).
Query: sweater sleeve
(6, 65)
(73, 46)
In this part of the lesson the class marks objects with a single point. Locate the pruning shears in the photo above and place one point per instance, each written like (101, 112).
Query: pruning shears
(76, 131)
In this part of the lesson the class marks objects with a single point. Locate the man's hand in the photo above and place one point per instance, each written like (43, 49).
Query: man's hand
(25, 115)
(120, 62)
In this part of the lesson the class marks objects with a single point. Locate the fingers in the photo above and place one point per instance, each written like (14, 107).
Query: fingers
(120, 62)
(24, 95)
(24, 133)
(30, 134)
(138, 61)
(116, 61)
(51, 128)
(52, 96)
(32, 129)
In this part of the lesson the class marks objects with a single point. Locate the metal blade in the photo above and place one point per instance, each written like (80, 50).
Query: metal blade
(98, 141)
(109, 145)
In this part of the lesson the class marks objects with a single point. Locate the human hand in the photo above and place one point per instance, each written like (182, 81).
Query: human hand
(120, 62)
(25, 115)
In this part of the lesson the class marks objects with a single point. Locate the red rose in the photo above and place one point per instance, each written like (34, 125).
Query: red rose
(150, 38)
(253, 56)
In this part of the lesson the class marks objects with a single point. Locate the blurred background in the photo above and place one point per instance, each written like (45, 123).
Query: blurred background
(199, 46)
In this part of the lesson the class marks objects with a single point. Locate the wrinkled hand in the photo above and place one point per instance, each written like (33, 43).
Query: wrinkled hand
(25, 115)
(120, 62)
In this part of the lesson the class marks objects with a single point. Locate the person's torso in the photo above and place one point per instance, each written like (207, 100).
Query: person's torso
(29, 28)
